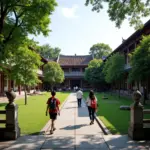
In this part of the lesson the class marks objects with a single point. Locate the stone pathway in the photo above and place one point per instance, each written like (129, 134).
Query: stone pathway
(74, 133)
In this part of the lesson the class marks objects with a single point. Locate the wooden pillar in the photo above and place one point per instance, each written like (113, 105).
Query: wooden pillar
(69, 82)
(69, 69)
(81, 83)
(9, 85)
(80, 69)
(0, 83)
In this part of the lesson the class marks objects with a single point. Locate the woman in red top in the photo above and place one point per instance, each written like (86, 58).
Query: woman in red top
(53, 107)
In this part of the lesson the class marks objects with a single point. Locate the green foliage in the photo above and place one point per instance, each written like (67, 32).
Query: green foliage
(53, 73)
(23, 68)
(18, 18)
(114, 68)
(99, 50)
(48, 52)
(140, 61)
(118, 11)
(93, 73)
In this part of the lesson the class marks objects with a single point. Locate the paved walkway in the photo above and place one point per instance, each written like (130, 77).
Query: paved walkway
(74, 133)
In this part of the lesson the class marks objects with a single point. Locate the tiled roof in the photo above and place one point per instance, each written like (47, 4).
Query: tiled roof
(74, 60)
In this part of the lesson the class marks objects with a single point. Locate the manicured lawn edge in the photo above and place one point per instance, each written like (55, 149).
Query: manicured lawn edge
(102, 126)
(47, 126)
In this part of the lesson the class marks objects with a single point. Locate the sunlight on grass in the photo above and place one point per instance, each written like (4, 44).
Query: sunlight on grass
(116, 120)
(32, 116)
(109, 125)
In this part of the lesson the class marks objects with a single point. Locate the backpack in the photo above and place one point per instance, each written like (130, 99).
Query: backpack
(93, 104)
(52, 104)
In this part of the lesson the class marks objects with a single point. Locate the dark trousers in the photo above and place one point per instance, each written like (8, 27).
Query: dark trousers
(79, 102)
(91, 113)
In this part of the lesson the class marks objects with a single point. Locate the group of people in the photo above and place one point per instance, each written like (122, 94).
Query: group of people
(53, 107)
(91, 103)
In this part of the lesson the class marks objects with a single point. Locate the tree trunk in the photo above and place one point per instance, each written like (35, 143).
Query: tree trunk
(119, 88)
(52, 87)
(25, 93)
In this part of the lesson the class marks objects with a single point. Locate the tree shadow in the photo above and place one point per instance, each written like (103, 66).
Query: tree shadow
(69, 107)
(73, 127)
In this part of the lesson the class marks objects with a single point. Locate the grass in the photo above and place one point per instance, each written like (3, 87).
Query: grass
(32, 117)
(116, 120)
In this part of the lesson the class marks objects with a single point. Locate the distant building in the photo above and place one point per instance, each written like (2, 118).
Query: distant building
(74, 67)
(127, 46)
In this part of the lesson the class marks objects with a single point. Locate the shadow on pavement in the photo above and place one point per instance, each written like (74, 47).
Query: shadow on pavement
(70, 127)
(117, 142)
(69, 107)
(83, 112)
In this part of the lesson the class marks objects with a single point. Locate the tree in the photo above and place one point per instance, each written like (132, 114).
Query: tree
(99, 50)
(23, 70)
(18, 18)
(93, 73)
(53, 73)
(48, 52)
(118, 11)
(140, 62)
(114, 69)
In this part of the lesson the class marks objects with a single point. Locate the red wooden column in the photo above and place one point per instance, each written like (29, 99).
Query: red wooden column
(0, 83)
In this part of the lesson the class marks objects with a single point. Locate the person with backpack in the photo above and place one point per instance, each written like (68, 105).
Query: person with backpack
(53, 108)
(92, 106)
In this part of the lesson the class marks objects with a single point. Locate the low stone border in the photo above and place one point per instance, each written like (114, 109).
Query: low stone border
(102, 126)
(47, 126)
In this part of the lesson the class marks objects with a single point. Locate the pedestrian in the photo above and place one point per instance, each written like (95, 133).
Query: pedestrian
(79, 97)
(92, 106)
(53, 108)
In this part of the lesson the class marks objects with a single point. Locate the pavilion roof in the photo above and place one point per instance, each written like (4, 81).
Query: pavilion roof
(74, 60)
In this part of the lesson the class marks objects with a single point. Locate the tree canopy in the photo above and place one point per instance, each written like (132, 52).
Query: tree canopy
(49, 52)
(118, 11)
(53, 73)
(18, 18)
(140, 61)
(99, 50)
(23, 70)
(114, 68)
(93, 73)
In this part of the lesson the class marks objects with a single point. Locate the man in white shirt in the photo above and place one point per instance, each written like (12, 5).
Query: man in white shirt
(79, 97)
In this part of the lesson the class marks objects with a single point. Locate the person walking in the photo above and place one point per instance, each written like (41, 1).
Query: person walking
(53, 108)
(79, 97)
(92, 106)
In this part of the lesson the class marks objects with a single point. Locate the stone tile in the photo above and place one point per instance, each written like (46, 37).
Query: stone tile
(27, 142)
(90, 142)
(86, 129)
(59, 149)
(123, 142)
(5, 144)
(59, 142)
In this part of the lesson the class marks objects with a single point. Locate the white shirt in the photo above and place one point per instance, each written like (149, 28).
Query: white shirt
(88, 101)
(79, 94)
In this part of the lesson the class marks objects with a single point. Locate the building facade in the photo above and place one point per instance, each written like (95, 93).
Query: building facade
(74, 67)
(125, 48)
(6, 84)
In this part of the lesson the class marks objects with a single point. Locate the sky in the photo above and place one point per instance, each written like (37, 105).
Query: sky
(75, 28)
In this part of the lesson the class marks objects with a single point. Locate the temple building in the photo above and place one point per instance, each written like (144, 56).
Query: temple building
(74, 67)
(128, 46)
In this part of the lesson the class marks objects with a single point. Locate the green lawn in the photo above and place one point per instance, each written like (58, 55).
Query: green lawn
(32, 116)
(116, 120)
